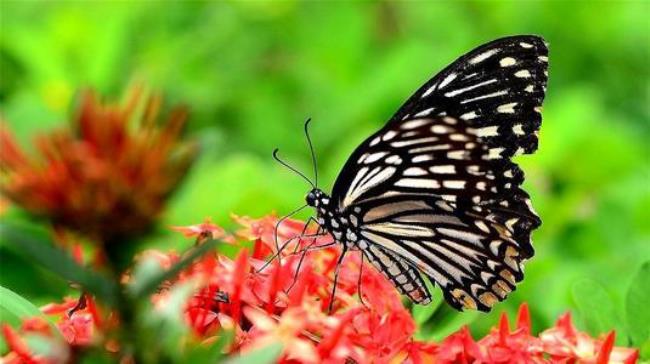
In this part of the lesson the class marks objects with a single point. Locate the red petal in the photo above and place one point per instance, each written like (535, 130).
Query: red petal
(274, 286)
(328, 342)
(297, 293)
(523, 318)
(92, 308)
(606, 348)
(239, 278)
(504, 328)
(16, 344)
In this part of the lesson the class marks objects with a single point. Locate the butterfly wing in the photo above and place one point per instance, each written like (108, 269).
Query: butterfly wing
(497, 88)
(404, 276)
(436, 185)
(473, 257)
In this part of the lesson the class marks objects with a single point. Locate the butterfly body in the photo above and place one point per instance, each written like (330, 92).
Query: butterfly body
(343, 226)
(435, 192)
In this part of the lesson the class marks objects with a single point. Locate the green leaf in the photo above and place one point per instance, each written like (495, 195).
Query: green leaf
(36, 244)
(148, 279)
(267, 354)
(595, 305)
(212, 353)
(637, 303)
(15, 308)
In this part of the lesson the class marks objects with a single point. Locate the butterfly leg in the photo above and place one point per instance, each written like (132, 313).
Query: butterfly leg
(336, 278)
(304, 230)
(302, 258)
(286, 243)
(277, 226)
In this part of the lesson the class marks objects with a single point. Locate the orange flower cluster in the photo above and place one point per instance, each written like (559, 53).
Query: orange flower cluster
(280, 303)
(107, 175)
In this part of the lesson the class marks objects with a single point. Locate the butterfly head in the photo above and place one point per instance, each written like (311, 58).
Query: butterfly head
(316, 198)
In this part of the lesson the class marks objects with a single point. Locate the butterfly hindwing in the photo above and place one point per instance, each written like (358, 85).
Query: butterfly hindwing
(402, 275)
(474, 260)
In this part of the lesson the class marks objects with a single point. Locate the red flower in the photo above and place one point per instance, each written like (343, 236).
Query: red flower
(565, 343)
(285, 301)
(519, 346)
(21, 353)
(201, 231)
(108, 175)
(459, 348)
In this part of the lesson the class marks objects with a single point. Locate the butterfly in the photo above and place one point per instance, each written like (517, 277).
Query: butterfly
(435, 193)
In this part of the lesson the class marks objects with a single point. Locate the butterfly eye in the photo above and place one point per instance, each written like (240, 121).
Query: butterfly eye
(311, 199)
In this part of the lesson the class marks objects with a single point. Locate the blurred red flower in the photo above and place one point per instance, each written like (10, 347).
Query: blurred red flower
(107, 175)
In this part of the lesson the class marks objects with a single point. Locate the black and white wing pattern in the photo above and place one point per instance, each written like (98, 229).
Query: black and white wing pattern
(404, 276)
(436, 189)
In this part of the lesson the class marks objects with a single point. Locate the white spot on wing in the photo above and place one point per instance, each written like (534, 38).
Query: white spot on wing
(418, 183)
(429, 91)
(422, 158)
(430, 149)
(518, 129)
(374, 157)
(507, 62)
(522, 74)
(457, 154)
(494, 153)
(483, 56)
(446, 169)
(377, 176)
(412, 124)
(415, 171)
(425, 112)
(441, 129)
(454, 184)
(403, 143)
(507, 108)
(447, 80)
(468, 88)
(494, 94)
(468, 116)
(488, 131)
(525, 45)
(462, 235)
(401, 229)
(394, 159)
(389, 135)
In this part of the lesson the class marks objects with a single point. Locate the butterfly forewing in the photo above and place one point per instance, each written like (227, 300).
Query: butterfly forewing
(498, 88)
(436, 185)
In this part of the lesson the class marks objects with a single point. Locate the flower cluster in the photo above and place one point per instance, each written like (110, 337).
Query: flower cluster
(270, 297)
(87, 175)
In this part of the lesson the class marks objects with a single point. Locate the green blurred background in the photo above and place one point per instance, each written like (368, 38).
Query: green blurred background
(252, 72)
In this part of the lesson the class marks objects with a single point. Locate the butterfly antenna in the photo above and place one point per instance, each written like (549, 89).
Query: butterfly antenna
(275, 156)
(311, 148)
